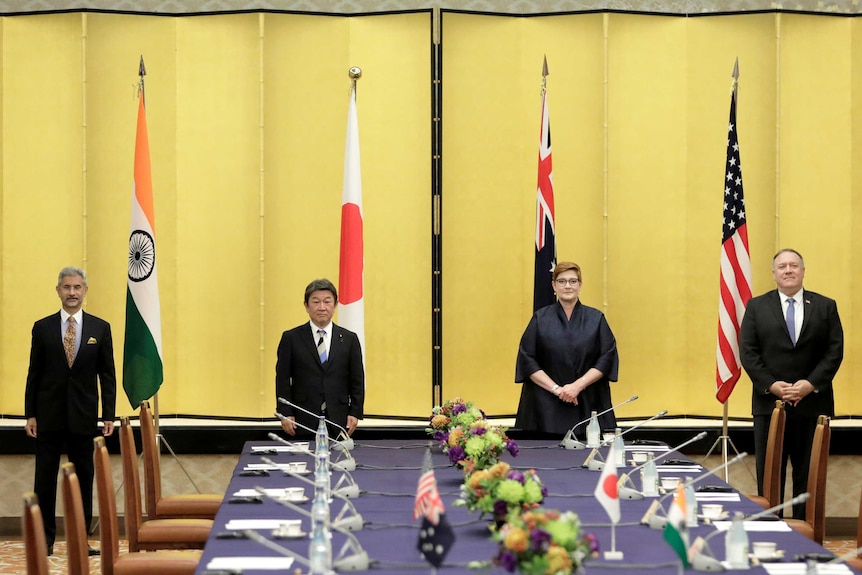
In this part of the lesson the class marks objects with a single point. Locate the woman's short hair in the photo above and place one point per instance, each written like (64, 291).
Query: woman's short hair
(563, 267)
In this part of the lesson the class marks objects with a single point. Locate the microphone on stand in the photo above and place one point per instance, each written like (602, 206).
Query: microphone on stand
(272, 545)
(569, 441)
(702, 562)
(347, 441)
(654, 521)
(631, 492)
(359, 561)
(353, 522)
(348, 464)
(351, 491)
(341, 445)
(594, 465)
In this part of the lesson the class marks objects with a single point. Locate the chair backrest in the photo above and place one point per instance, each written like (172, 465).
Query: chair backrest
(815, 508)
(109, 535)
(76, 533)
(131, 482)
(774, 449)
(35, 548)
(152, 467)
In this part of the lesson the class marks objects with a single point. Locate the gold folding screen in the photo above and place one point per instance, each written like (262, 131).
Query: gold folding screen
(247, 117)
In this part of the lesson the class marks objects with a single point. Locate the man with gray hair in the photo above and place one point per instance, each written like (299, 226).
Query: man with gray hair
(69, 352)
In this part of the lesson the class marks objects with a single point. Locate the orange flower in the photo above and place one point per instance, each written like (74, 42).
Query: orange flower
(499, 469)
(517, 540)
(476, 478)
(440, 421)
(455, 437)
(559, 560)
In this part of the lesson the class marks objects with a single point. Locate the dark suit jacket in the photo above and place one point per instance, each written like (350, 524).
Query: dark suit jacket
(301, 379)
(768, 355)
(64, 398)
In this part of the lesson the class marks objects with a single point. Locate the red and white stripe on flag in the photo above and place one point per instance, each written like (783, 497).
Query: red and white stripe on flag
(351, 298)
(428, 502)
(735, 281)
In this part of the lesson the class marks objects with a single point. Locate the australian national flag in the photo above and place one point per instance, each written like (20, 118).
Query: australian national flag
(546, 246)
(435, 535)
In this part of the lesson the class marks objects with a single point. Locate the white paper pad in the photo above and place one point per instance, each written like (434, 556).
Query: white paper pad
(717, 496)
(266, 466)
(240, 563)
(295, 448)
(276, 493)
(773, 526)
(679, 468)
(647, 448)
(243, 524)
(800, 569)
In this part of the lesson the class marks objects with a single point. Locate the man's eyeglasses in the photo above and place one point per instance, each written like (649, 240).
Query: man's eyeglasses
(572, 282)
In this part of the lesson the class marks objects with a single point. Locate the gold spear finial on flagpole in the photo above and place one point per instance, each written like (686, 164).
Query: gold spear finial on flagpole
(544, 72)
(735, 75)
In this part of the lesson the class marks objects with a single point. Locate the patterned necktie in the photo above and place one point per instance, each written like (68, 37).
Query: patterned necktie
(321, 346)
(69, 341)
(791, 319)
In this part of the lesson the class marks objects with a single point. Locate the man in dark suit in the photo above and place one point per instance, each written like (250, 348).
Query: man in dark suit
(319, 367)
(69, 351)
(791, 345)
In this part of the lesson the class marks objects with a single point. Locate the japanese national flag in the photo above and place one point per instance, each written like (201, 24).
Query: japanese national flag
(606, 490)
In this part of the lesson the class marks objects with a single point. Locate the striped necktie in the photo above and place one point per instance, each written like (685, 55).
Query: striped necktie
(321, 346)
(791, 319)
(69, 341)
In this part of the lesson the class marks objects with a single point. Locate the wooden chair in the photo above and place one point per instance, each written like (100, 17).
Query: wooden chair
(33, 530)
(772, 467)
(814, 525)
(157, 562)
(158, 533)
(76, 533)
(193, 505)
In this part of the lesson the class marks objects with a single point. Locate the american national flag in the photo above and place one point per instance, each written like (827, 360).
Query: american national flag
(546, 245)
(735, 282)
(435, 535)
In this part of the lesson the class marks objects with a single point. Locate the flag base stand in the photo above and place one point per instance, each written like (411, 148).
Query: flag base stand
(725, 441)
(162, 440)
(613, 555)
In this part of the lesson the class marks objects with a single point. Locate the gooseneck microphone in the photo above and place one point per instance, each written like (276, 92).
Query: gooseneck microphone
(273, 546)
(347, 441)
(631, 492)
(358, 561)
(656, 522)
(342, 445)
(351, 491)
(594, 465)
(709, 563)
(569, 441)
(348, 464)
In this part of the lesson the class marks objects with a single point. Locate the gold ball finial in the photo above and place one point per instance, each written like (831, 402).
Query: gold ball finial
(355, 72)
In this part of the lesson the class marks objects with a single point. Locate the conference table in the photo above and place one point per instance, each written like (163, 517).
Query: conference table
(387, 474)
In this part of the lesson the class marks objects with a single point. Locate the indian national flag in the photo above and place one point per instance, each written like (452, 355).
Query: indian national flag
(351, 298)
(675, 531)
(142, 351)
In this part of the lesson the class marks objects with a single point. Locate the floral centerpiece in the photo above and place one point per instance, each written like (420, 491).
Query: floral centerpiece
(544, 542)
(501, 490)
(454, 413)
(479, 445)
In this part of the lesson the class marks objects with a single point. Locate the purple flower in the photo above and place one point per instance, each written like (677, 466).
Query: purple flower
(440, 435)
(479, 431)
(508, 561)
(458, 408)
(456, 454)
(540, 540)
(593, 541)
(517, 476)
(512, 448)
(544, 491)
(500, 508)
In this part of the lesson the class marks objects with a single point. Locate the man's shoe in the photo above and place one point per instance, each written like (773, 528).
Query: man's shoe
(92, 552)
(50, 550)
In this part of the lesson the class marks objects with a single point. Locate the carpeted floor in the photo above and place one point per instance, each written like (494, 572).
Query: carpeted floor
(12, 556)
